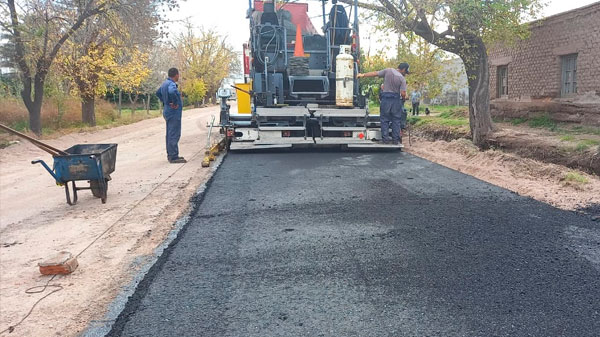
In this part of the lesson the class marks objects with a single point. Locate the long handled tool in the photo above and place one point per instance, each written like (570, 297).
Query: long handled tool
(52, 150)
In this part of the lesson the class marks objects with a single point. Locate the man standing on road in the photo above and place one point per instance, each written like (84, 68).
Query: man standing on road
(170, 97)
(392, 101)
(415, 98)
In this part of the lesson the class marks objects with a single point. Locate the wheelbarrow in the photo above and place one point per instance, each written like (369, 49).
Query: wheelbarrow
(91, 162)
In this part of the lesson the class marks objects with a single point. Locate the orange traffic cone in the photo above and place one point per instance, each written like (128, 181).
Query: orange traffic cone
(299, 47)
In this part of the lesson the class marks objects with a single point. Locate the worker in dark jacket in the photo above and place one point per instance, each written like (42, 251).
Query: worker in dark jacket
(392, 101)
(170, 97)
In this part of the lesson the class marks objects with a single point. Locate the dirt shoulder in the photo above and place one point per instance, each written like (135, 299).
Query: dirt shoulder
(557, 185)
(571, 145)
(145, 198)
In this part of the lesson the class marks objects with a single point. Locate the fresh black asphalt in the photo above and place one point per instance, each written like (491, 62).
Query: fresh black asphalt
(368, 244)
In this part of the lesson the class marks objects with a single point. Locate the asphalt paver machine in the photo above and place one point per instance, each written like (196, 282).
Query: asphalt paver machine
(301, 86)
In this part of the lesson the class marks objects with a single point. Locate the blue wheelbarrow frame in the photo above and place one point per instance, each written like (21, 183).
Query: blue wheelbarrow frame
(89, 162)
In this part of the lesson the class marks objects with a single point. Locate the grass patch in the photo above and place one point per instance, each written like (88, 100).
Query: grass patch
(412, 120)
(567, 138)
(586, 144)
(518, 121)
(542, 122)
(453, 122)
(580, 129)
(447, 108)
(575, 178)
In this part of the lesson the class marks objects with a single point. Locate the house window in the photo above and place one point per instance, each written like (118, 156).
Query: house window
(502, 81)
(569, 74)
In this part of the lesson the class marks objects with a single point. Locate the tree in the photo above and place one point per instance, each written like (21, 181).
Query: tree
(425, 60)
(426, 63)
(159, 61)
(39, 29)
(109, 50)
(205, 56)
(469, 26)
(195, 90)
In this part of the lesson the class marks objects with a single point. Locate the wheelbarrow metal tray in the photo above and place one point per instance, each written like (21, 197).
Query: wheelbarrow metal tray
(86, 162)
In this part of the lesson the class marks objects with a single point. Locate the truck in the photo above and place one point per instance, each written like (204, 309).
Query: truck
(300, 85)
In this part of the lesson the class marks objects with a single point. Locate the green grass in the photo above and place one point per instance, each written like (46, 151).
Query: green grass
(21, 126)
(446, 108)
(579, 129)
(567, 138)
(584, 144)
(453, 122)
(542, 122)
(517, 121)
(128, 116)
(574, 177)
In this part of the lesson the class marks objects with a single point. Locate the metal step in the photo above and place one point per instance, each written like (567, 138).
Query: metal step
(281, 128)
(342, 128)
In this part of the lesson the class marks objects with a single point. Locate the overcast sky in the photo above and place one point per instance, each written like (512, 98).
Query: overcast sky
(229, 17)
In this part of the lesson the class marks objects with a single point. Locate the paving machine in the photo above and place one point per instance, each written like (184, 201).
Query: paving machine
(300, 86)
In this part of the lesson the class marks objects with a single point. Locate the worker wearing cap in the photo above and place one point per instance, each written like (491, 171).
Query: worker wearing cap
(169, 95)
(392, 101)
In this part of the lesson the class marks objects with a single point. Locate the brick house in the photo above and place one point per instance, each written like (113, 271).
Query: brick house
(556, 71)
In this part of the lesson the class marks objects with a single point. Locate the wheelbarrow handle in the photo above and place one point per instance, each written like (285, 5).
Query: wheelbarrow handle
(39, 161)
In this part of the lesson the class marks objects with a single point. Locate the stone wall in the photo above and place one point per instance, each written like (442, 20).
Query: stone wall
(535, 69)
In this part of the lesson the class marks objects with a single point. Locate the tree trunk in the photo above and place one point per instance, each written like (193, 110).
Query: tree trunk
(120, 101)
(480, 120)
(88, 114)
(34, 107)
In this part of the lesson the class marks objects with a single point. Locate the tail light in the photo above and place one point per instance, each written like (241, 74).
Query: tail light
(230, 133)
(361, 135)
(286, 133)
(347, 133)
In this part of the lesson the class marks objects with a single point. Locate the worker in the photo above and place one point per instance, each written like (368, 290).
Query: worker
(415, 99)
(392, 101)
(169, 95)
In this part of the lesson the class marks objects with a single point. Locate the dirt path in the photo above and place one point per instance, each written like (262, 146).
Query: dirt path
(145, 197)
(532, 178)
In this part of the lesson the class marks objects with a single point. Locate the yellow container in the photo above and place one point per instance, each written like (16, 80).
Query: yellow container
(243, 99)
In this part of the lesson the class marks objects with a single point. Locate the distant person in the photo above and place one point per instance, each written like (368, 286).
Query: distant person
(415, 98)
(169, 95)
(392, 101)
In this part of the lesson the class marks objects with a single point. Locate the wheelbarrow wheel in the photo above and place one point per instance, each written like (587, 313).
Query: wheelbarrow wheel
(99, 190)
(71, 201)
(96, 188)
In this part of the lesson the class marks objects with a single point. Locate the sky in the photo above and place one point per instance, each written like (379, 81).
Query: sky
(229, 18)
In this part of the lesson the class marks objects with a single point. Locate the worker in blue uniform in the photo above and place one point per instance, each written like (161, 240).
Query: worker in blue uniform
(169, 95)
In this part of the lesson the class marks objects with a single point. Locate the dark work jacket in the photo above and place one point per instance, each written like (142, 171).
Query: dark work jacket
(168, 93)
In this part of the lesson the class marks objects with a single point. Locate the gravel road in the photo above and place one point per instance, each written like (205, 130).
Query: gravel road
(369, 244)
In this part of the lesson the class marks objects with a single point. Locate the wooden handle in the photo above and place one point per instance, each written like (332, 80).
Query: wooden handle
(52, 150)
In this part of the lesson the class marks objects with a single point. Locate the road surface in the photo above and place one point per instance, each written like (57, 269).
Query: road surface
(379, 244)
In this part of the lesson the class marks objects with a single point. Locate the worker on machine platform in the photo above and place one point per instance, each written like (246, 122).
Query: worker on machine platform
(392, 101)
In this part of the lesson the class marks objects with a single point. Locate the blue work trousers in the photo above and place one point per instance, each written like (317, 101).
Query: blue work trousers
(173, 135)
(391, 112)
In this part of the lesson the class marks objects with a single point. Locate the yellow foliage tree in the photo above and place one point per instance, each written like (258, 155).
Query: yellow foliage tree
(205, 56)
(195, 90)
